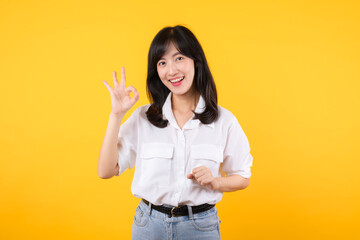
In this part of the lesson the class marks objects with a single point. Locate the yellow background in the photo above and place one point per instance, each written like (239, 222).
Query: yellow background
(289, 71)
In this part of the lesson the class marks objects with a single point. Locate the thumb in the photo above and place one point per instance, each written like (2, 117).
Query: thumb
(190, 176)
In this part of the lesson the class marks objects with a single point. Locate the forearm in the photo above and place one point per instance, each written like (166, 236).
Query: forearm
(108, 156)
(232, 183)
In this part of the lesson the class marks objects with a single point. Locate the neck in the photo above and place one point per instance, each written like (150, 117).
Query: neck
(185, 103)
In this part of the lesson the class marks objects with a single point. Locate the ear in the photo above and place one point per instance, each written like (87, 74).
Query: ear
(196, 64)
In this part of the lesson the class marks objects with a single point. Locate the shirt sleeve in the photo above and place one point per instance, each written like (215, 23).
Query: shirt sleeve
(127, 142)
(237, 157)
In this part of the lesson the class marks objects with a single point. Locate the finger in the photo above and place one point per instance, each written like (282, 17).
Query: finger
(199, 174)
(131, 89)
(190, 176)
(197, 169)
(204, 180)
(108, 86)
(123, 78)
(200, 181)
(115, 79)
(134, 99)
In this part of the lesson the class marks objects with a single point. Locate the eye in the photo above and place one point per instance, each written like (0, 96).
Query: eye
(179, 58)
(161, 63)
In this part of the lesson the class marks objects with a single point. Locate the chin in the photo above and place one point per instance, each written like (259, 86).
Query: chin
(179, 92)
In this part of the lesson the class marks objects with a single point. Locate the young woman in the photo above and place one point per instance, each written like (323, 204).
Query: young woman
(179, 144)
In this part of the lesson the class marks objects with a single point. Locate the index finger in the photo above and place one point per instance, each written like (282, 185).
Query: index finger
(115, 80)
(197, 169)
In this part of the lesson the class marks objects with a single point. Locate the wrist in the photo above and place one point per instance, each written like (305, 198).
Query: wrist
(217, 183)
(118, 116)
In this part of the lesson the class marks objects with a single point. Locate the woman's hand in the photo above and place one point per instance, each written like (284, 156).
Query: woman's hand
(202, 175)
(121, 101)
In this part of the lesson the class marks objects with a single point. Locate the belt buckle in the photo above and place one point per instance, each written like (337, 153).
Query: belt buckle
(172, 211)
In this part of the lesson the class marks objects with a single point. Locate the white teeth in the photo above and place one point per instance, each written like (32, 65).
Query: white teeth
(176, 80)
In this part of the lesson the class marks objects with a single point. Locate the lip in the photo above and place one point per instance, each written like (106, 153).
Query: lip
(177, 83)
(175, 77)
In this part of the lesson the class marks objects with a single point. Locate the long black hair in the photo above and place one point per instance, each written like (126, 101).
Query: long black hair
(187, 44)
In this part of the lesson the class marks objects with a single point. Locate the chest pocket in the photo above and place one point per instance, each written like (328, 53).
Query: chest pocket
(156, 164)
(208, 155)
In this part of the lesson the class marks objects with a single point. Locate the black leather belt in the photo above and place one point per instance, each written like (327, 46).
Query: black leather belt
(181, 210)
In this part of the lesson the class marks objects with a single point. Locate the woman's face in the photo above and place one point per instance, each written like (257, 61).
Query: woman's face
(176, 71)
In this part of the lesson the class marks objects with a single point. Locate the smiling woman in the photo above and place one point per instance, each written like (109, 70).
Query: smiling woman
(180, 144)
(175, 52)
(173, 68)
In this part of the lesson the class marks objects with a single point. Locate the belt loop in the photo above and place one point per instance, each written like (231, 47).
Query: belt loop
(190, 212)
(149, 210)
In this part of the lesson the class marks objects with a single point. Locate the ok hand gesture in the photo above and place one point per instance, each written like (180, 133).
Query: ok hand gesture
(121, 101)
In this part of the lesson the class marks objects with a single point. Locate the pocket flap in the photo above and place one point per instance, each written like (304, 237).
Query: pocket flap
(154, 150)
(207, 151)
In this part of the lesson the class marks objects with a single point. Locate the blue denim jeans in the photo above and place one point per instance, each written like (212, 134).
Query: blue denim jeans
(152, 224)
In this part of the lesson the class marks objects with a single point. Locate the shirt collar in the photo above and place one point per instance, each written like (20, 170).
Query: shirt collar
(192, 123)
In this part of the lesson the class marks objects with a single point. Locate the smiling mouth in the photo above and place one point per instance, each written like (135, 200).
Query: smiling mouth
(176, 80)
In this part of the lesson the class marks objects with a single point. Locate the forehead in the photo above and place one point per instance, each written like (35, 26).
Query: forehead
(170, 50)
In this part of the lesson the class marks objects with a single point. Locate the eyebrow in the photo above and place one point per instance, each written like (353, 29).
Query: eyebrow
(177, 53)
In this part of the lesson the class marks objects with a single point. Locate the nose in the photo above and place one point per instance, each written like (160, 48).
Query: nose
(172, 69)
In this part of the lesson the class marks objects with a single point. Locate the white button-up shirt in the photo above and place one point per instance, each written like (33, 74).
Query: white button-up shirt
(164, 156)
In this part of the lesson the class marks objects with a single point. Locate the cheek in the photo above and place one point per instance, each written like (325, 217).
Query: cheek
(162, 77)
(160, 73)
(190, 67)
